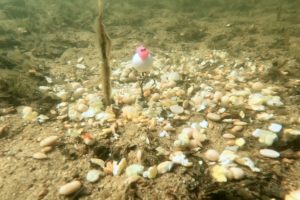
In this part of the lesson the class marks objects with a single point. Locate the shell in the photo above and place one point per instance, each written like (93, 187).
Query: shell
(269, 153)
(93, 175)
(176, 109)
(134, 169)
(212, 155)
(39, 156)
(213, 117)
(69, 188)
(98, 161)
(49, 141)
(165, 167)
(118, 168)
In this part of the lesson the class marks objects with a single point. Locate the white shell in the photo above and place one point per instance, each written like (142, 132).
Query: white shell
(134, 169)
(69, 188)
(276, 128)
(93, 175)
(269, 153)
(118, 168)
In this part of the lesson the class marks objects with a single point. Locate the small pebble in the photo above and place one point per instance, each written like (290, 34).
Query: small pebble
(212, 155)
(39, 156)
(269, 153)
(214, 117)
(176, 109)
(69, 188)
(49, 141)
(93, 175)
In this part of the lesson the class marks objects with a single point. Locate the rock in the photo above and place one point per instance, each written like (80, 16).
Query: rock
(290, 135)
(93, 175)
(276, 128)
(49, 141)
(269, 153)
(69, 188)
(212, 155)
(213, 117)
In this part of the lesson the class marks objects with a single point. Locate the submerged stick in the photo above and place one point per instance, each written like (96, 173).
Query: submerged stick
(104, 43)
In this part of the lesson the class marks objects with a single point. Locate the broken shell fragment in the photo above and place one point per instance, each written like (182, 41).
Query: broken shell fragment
(98, 161)
(69, 188)
(165, 167)
(178, 157)
(219, 173)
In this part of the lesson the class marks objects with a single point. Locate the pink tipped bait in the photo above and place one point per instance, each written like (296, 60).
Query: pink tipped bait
(142, 52)
(142, 60)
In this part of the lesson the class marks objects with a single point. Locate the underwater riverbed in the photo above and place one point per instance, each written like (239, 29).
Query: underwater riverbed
(219, 117)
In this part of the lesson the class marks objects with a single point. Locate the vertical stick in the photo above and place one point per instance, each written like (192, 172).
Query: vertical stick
(104, 43)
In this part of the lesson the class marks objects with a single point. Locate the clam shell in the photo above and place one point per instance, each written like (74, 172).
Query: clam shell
(69, 188)
(49, 141)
